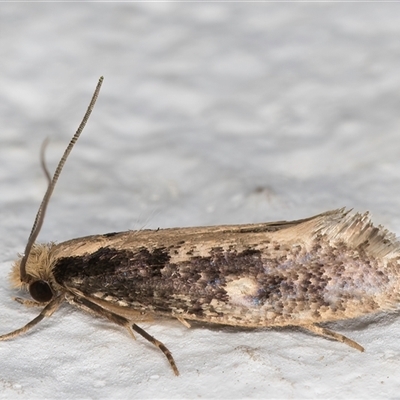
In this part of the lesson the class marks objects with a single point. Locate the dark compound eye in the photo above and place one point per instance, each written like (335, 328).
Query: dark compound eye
(40, 291)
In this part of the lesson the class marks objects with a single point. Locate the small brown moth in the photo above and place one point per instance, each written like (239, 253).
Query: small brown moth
(333, 266)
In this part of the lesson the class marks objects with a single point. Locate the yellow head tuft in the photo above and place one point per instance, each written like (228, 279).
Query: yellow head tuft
(38, 265)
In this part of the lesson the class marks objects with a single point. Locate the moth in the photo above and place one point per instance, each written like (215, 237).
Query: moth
(332, 266)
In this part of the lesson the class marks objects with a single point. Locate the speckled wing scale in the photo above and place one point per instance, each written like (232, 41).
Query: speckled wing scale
(333, 266)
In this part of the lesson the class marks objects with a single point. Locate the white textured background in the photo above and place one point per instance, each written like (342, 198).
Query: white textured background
(209, 113)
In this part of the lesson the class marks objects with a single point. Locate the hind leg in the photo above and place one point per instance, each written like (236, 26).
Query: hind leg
(318, 330)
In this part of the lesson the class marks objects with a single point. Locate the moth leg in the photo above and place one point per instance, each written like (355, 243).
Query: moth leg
(46, 312)
(183, 322)
(333, 335)
(87, 305)
(27, 302)
(157, 343)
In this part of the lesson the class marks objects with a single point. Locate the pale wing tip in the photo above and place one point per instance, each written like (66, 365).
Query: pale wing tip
(355, 229)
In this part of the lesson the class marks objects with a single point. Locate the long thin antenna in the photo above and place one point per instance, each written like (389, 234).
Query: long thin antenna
(37, 225)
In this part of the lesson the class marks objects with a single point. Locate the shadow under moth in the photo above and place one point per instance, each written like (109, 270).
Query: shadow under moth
(329, 267)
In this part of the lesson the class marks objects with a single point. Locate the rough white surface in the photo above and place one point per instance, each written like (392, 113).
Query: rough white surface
(210, 113)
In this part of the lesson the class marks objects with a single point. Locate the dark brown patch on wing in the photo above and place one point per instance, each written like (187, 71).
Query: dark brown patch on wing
(109, 262)
(147, 277)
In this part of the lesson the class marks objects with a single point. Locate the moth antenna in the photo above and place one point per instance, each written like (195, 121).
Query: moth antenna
(37, 225)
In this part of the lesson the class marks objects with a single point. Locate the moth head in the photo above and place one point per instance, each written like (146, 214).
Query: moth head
(40, 282)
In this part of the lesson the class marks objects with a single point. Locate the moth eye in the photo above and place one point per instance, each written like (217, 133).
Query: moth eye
(40, 291)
